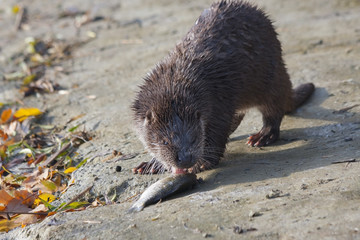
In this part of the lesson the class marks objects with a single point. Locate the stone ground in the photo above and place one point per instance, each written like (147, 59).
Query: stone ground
(320, 200)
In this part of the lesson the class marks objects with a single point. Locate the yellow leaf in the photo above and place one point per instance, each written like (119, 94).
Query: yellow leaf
(49, 185)
(75, 205)
(37, 58)
(70, 170)
(7, 225)
(28, 79)
(15, 9)
(47, 197)
(3, 154)
(24, 113)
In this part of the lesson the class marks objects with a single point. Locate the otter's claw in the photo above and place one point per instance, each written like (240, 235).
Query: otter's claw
(265, 137)
(152, 167)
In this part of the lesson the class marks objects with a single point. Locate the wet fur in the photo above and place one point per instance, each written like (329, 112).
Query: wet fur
(191, 102)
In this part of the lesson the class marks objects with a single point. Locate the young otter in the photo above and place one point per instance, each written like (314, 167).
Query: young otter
(191, 102)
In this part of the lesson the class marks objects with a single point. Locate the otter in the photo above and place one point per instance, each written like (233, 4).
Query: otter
(189, 104)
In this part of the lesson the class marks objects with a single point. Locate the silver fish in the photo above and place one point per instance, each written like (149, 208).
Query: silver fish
(163, 188)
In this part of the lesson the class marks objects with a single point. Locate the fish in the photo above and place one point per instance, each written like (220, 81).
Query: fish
(162, 189)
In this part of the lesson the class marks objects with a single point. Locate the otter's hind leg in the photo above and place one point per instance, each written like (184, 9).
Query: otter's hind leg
(269, 133)
(273, 108)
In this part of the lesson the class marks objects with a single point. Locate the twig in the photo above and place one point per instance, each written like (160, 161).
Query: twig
(131, 197)
(343, 110)
(344, 161)
(55, 155)
(75, 198)
(18, 19)
(20, 212)
(62, 159)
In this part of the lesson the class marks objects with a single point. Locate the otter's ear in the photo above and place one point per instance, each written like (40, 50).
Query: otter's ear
(149, 117)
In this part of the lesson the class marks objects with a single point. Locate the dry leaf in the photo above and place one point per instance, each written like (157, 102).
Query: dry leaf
(15, 205)
(6, 225)
(3, 135)
(75, 118)
(15, 9)
(47, 197)
(26, 197)
(50, 185)
(5, 115)
(25, 219)
(5, 198)
(24, 113)
(70, 170)
(3, 152)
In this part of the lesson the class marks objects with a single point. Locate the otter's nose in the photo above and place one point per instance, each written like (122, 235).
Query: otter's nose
(185, 159)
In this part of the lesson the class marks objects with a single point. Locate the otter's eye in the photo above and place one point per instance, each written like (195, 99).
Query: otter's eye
(165, 143)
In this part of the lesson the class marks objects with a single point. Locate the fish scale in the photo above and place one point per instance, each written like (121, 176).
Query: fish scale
(162, 189)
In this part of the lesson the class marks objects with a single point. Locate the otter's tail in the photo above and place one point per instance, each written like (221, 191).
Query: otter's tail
(300, 95)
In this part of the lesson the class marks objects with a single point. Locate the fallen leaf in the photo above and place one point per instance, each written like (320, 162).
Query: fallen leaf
(5, 115)
(74, 128)
(3, 154)
(49, 185)
(24, 113)
(91, 34)
(75, 118)
(7, 225)
(70, 170)
(91, 97)
(28, 79)
(27, 198)
(75, 205)
(155, 218)
(37, 58)
(45, 197)
(25, 219)
(51, 213)
(5, 198)
(3, 135)
(14, 76)
(15, 9)
(10, 129)
(82, 163)
(15, 205)
(63, 92)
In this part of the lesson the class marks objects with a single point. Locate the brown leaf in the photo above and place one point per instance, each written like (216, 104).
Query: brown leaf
(3, 152)
(5, 115)
(3, 135)
(25, 219)
(12, 204)
(33, 181)
(26, 197)
(5, 198)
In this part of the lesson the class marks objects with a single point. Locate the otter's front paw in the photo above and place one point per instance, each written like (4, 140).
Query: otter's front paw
(152, 167)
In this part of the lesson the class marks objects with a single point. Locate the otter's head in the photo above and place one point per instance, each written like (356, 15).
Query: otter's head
(174, 140)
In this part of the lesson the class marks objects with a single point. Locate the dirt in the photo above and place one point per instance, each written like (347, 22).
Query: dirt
(316, 197)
